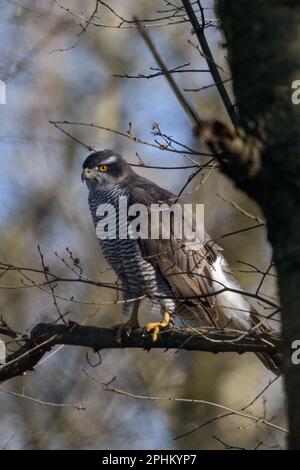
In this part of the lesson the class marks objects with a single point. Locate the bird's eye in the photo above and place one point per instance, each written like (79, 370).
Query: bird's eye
(102, 168)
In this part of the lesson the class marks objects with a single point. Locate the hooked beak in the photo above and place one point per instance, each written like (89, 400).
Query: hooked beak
(87, 174)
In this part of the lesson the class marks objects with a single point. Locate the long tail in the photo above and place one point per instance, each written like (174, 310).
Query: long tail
(234, 309)
(272, 362)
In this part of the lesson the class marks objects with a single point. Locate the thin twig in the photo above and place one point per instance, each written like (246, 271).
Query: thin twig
(199, 31)
(194, 401)
(188, 108)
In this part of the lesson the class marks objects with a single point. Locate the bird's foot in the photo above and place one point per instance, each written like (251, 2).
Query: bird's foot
(157, 326)
(125, 328)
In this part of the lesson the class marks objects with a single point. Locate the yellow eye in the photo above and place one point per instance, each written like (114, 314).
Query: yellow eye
(102, 168)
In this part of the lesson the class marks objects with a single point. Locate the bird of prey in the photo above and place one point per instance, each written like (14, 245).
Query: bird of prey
(193, 285)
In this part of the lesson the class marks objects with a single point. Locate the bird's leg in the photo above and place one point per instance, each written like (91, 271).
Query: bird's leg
(157, 326)
(130, 325)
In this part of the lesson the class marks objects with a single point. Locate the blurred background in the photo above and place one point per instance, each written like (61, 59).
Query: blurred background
(59, 66)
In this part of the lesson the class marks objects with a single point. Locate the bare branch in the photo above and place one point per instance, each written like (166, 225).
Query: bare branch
(241, 210)
(188, 108)
(159, 73)
(127, 135)
(76, 406)
(199, 31)
(44, 336)
(231, 411)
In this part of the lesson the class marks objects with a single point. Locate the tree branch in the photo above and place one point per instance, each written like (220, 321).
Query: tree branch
(186, 105)
(45, 336)
(199, 31)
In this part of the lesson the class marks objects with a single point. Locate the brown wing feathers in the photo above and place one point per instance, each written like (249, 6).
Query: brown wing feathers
(187, 271)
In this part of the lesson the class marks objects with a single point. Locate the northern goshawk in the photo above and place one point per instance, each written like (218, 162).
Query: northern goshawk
(194, 285)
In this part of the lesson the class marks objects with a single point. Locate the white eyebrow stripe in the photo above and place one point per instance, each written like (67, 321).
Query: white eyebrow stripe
(111, 159)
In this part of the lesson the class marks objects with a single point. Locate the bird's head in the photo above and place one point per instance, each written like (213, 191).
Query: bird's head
(105, 169)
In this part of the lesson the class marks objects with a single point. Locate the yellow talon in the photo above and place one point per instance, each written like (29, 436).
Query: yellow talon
(157, 326)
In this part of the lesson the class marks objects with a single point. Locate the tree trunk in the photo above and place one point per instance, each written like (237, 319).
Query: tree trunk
(263, 41)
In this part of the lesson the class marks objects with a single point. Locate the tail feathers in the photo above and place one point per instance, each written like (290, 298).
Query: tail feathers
(273, 363)
(236, 309)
